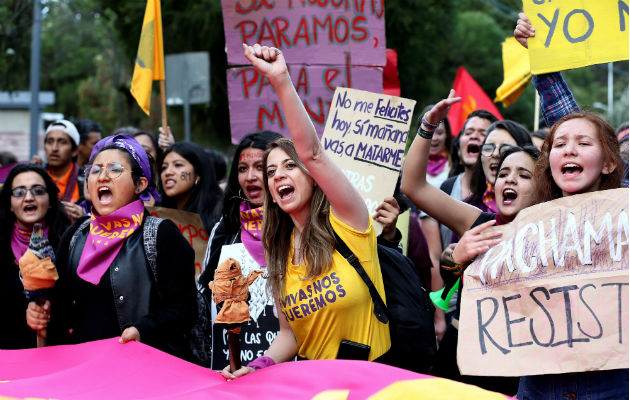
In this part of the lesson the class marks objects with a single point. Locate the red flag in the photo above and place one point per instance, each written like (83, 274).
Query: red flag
(391, 83)
(473, 98)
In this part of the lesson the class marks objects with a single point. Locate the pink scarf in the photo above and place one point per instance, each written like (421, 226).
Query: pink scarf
(488, 198)
(20, 239)
(106, 238)
(437, 162)
(251, 231)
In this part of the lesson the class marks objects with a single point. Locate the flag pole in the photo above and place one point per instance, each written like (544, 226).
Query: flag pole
(537, 111)
(163, 107)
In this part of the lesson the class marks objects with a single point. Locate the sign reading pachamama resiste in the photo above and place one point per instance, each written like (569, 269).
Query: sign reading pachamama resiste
(572, 34)
(365, 135)
(552, 297)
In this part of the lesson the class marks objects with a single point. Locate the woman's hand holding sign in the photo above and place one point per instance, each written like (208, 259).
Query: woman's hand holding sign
(523, 30)
(474, 242)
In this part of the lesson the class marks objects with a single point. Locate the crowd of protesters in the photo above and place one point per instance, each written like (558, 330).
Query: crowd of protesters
(285, 201)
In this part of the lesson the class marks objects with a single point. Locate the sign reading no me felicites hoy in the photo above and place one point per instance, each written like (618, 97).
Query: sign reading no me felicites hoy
(552, 297)
(366, 134)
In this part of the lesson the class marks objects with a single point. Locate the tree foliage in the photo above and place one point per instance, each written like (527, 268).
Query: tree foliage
(89, 47)
(16, 18)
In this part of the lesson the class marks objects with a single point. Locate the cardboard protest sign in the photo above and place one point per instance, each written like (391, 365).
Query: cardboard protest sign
(254, 105)
(366, 134)
(312, 32)
(191, 227)
(552, 297)
(572, 34)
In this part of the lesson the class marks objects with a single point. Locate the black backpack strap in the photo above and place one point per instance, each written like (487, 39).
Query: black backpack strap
(447, 185)
(380, 309)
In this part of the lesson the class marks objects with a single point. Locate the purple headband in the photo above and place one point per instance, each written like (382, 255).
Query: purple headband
(131, 145)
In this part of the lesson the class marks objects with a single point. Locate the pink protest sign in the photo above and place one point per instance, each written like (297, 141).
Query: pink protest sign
(307, 31)
(254, 105)
(106, 369)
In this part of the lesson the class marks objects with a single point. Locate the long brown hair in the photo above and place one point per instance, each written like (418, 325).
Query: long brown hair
(546, 187)
(317, 239)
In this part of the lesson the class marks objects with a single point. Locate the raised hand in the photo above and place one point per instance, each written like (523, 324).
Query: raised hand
(165, 139)
(268, 60)
(524, 29)
(440, 110)
(387, 214)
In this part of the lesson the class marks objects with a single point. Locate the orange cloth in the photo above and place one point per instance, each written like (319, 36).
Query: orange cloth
(232, 289)
(63, 182)
(37, 274)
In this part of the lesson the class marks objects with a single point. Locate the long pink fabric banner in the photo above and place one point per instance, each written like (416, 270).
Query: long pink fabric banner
(106, 369)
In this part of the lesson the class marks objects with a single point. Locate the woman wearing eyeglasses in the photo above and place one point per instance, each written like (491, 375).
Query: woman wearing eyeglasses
(29, 196)
(107, 284)
(511, 169)
(499, 136)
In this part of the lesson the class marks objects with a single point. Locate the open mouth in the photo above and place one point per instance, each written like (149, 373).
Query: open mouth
(29, 209)
(285, 191)
(571, 169)
(493, 168)
(509, 195)
(253, 190)
(105, 195)
(169, 183)
(473, 149)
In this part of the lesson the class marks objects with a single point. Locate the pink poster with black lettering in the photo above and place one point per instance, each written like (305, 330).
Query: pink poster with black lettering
(326, 44)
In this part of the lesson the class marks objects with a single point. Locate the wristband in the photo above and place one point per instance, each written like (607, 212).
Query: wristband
(457, 269)
(424, 134)
(428, 125)
(261, 362)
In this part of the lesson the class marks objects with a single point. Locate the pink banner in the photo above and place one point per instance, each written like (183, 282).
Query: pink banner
(106, 369)
(307, 31)
(254, 105)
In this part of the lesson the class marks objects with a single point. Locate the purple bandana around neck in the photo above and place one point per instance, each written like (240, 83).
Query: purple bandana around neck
(106, 238)
(251, 231)
(437, 163)
(488, 198)
(131, 145)
(20, 239)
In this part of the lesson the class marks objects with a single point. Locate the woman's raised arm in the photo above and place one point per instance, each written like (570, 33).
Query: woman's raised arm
(344, 198)
(457, 215)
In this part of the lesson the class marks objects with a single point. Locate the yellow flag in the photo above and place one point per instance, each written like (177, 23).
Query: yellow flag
(516, 72)
(150, 59)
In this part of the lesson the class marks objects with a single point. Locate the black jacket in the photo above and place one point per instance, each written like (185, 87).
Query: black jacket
(127, 295)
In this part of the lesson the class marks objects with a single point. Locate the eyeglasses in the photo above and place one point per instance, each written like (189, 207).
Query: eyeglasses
(36, 191)
(488, 149)
(112, 170)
